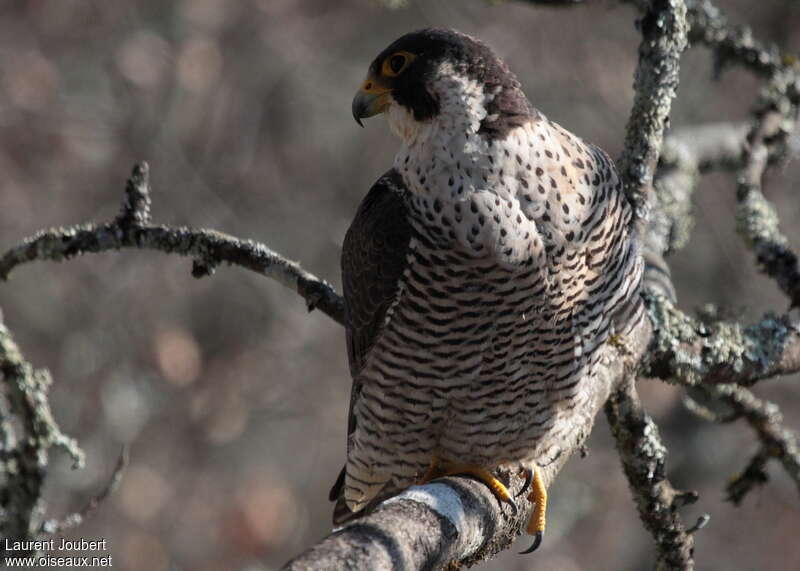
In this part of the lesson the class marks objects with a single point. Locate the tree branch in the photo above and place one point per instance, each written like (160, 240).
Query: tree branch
(643, 458)
(756, 218)
(663, 27)
(726, 403)
(766, 419)
(209, 248)
(688, 351)
(24, 444)
(729, 44)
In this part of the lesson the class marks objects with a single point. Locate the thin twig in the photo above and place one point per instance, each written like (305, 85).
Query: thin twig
(209, 248)
(57, 526)
(754, 475)
(729, 44)
(766, 419)
(756, 218)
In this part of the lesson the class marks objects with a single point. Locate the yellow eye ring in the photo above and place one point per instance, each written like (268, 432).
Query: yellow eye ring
(396, 63)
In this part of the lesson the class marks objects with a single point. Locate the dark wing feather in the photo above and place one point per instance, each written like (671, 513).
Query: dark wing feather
(373, 259)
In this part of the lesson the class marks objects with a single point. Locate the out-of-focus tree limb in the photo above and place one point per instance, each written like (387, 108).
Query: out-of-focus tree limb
(726, 403)
(776, 117)
(27, 432)
(730, 44)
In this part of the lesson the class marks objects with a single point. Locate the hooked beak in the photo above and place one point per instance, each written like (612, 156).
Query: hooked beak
(370, 100)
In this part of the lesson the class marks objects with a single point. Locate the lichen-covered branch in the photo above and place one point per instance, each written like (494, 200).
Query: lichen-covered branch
(208, 248)
(756, 218)
(730, 44)
(643, 456)
(74, 519)
(27, 432)
(689, 351)
(776, 117)
(663, 27)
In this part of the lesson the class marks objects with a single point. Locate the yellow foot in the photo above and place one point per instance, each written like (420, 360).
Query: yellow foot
(496, 486)
(538, 496)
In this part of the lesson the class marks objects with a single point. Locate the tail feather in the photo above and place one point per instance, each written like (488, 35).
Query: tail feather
(338, 486)
(373, 494)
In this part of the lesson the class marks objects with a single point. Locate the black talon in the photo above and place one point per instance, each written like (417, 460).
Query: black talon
(537, 541)
(513, 505)
(510, 502)
(528, 481)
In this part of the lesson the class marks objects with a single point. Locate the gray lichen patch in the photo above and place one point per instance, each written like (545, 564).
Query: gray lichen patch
(756, 220)
(27, 432)
(688, 351)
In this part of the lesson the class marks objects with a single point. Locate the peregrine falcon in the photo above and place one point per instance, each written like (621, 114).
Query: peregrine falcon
(481, 275)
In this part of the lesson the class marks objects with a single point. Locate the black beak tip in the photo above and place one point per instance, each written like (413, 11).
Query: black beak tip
(358, 120)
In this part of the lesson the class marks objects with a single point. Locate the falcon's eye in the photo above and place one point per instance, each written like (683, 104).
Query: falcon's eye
(396, 63)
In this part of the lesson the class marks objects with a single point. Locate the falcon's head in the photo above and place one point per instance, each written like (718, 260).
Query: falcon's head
(442, 76)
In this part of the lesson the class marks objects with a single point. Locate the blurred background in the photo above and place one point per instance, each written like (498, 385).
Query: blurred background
(232, 397)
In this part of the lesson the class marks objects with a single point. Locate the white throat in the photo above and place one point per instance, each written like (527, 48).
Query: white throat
(472, 184)
(448, 145)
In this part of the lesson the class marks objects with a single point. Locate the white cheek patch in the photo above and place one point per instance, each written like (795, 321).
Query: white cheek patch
(402, 123)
